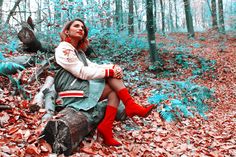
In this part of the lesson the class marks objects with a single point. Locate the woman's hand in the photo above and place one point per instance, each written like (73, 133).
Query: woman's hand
(118, 72)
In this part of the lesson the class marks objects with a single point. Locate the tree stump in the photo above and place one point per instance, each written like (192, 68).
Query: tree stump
(27, 36)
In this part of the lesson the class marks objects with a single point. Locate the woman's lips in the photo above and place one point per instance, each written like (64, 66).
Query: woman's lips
(80, 33)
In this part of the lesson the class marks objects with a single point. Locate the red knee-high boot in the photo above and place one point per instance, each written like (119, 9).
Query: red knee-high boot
(105, 127)
(131, 108)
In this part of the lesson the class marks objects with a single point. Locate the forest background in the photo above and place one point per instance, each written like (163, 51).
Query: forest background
(177, 54)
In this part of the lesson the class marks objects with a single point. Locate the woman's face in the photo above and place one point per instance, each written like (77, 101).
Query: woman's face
(76, 30)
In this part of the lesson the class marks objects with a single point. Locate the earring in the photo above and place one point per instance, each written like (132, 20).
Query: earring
(68, 39)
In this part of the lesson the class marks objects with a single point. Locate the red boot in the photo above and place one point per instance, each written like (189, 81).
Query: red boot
(105, 127)
(131, 108)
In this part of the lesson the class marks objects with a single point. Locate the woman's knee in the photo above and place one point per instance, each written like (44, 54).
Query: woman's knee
(115, 84)
(106, 91)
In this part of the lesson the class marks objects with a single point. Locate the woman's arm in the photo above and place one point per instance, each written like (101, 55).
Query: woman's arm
(66, 58)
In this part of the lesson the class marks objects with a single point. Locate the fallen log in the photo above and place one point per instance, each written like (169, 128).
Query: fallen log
(38, 100)
(25, 61)
(44, 66)
(49, 102)
(68, 129)
(4, 107)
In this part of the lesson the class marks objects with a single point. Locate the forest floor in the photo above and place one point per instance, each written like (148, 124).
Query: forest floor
(150, 136)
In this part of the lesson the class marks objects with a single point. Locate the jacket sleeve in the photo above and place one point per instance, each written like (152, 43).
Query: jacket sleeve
(109, 66)
(67, 59)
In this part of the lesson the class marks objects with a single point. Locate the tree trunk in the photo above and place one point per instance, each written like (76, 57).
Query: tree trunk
(118, 15)
(1, 2)
(138, 16)
(176, 16)
(131, 17)
(39, 97)
(49, 14)
(65, 132)
(39, 14)
(155, 15)
(108, 13)
(49, 105)
(12, 11)
(221, 17)
(189, 19)
(213, 14)
(151, 31)
(162, 17)
(171, 17)
(203, 15)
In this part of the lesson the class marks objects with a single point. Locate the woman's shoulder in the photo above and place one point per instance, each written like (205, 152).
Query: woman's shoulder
(64, 45)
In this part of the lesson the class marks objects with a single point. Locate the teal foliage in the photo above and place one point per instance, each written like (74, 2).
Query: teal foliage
(202, 38)
(8, 68)
(2, 58)
(109, 41)
(157, 65)
(181, 99)
(182, 48)
(11, 46)
(198, 65)
(196, 45)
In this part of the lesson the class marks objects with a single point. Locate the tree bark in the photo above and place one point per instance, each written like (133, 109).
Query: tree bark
(221, 17)
(151, 32)
(176, 16)
(27, 36)
(39, 97)
(68, 129)
(171, 17)
(189, 19)
(44, 66)
(23, 60)
(108, 6)
(162, 17)
(118, 15)
(1, 3)
(213, 14)
(138, 16)
(49, 99)
(131, 17)
(155, 15)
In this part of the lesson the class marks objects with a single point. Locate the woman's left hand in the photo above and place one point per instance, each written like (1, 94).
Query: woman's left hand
(118, 72)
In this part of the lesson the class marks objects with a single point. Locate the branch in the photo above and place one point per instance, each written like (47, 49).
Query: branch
(12, 11)
(41, 69)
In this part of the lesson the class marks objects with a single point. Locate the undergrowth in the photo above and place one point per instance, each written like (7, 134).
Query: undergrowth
(180, 99)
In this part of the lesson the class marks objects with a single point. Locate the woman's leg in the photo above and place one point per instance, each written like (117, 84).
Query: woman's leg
(131, 107)
(115, 84)
(105, 126)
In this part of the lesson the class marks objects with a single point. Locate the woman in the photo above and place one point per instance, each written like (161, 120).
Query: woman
(81, 83)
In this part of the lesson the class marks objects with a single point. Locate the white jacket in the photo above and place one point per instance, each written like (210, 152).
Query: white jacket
(66, 57)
